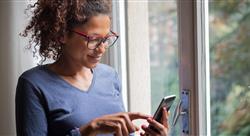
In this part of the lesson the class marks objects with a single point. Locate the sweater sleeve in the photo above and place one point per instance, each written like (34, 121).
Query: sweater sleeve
(31, 118)
(30, 114)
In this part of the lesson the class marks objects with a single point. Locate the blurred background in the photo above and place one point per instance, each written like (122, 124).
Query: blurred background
(229, 32)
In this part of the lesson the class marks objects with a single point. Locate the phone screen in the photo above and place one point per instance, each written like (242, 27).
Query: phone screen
(165, 102)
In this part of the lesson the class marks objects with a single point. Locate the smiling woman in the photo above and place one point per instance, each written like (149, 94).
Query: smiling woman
(76, 49)
(75, 95)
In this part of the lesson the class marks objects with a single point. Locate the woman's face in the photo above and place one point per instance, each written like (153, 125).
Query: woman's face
(75, 48)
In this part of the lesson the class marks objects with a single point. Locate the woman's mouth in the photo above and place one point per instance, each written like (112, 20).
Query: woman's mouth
(94, 59)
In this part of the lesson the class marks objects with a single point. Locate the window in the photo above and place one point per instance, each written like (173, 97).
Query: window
(206, 45)
(138, 52)
(229, 32)
(164, 61)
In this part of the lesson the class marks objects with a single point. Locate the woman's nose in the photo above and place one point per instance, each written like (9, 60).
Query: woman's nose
(101, 48)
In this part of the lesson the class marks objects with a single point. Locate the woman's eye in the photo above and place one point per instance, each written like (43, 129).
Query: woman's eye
(98, 39)
(92, 38)
(95, 40)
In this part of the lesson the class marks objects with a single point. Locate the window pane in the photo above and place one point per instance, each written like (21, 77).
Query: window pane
(163, 52)
(230, 66)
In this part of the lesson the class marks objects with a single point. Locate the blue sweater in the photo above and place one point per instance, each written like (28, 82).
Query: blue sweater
(47, 105)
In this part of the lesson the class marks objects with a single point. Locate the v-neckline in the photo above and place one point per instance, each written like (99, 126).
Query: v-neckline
(69, 84)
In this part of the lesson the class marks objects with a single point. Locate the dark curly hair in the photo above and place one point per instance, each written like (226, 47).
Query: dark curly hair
(51, 19)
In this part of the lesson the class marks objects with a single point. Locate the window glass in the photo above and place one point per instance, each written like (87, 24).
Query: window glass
(163, 52)
(229, 33)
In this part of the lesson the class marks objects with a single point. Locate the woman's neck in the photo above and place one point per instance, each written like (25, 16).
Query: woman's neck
(65, 67)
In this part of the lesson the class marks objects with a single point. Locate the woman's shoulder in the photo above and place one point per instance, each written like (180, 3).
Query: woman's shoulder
(34, 73)
(105, 69)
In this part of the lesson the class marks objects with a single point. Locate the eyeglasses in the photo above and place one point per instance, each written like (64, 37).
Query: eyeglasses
(94, 42)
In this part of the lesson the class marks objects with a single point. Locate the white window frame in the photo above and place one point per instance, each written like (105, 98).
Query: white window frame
(138, 61)
(116, 56)
(203, 67)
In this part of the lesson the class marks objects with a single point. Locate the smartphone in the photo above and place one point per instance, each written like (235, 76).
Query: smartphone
(165, 102)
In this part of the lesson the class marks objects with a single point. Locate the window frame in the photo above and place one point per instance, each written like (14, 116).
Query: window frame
(117, 55)
(203, 65)
(138, 67)
(187, 59)
(194, 62)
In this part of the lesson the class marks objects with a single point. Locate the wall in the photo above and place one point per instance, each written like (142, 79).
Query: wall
(14, 59)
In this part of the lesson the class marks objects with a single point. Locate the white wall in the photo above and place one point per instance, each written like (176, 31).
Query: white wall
(14, 59)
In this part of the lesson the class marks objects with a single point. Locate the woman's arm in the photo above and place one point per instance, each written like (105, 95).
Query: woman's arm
(30, 115)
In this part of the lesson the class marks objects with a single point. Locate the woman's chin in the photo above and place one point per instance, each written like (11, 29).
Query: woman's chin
(92, 65)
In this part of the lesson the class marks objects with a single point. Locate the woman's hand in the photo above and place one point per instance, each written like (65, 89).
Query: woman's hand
(162, 129)
(120, 124)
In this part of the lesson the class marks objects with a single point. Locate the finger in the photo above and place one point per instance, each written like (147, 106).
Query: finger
(156, 124)
(138, 115)
(149, 131)
(131, 127)
(123, 125)
(164, 118)
(108, 126)
(122, 115)
(118, 131)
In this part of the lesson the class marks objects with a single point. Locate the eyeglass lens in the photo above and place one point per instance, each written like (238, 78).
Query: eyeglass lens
(107, 42)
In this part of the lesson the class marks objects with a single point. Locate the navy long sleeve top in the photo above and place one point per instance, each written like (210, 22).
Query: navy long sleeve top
(47, 105)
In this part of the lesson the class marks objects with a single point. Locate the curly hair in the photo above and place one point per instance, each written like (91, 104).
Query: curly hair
(51, 19)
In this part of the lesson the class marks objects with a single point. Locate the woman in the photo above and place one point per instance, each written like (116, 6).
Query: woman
(75, 95)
